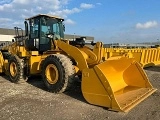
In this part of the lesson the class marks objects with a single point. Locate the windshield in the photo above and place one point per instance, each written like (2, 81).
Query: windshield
(52, 26)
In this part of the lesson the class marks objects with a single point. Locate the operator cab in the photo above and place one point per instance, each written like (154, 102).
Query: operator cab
(42, 30)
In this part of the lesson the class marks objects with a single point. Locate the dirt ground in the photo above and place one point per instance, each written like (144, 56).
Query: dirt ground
(31, 101)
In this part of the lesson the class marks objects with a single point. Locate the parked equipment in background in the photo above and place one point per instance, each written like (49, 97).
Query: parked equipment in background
(42, 50)
(147, 57)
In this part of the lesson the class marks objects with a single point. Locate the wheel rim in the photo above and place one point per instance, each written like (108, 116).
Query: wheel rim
(51, 73)
(13, 69)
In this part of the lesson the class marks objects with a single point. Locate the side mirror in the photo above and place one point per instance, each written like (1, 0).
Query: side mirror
(26, 28)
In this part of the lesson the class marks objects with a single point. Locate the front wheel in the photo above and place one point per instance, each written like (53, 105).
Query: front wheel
(58, 73)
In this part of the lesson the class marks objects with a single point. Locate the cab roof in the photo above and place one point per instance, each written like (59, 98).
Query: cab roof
(46, 15)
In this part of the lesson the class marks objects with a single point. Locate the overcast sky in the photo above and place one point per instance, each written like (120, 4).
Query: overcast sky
(124, 21)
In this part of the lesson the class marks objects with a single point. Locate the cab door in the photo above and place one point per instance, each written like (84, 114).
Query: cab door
(45, 42)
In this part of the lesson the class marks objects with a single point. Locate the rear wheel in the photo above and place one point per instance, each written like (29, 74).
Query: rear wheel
(6, 55)
(58, 73)
(15, 69)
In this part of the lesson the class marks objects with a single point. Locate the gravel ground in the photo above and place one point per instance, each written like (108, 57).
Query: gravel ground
(31, 101)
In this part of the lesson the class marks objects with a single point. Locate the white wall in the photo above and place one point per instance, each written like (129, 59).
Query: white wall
(6, 37)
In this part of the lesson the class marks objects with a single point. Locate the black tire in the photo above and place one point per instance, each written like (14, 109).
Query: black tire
(62, 71)
(15, 69)
(6, 55)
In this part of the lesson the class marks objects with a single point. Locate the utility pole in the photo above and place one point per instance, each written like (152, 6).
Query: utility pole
(74, 37)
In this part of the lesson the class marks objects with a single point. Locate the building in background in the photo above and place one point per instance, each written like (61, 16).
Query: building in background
(8, 35)
(132, 45)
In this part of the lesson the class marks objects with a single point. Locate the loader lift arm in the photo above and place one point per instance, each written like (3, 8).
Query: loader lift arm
(110, 83)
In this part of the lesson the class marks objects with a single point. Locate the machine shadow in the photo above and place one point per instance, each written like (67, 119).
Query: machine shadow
(36, 81)
(153, 68)
(74, 92)
(4, 76)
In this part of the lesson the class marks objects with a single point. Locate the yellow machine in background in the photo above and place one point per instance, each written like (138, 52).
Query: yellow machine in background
(145, 56)
(118, 83)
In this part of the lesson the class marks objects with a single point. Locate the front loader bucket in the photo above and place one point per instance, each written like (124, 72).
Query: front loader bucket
(118, 84)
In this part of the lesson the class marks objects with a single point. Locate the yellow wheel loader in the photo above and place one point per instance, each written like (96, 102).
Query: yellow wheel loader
(118, 83)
